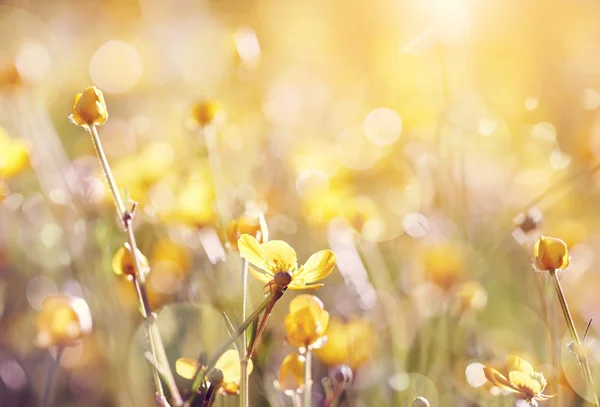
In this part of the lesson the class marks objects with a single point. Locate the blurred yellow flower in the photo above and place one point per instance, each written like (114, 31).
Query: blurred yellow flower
(349, 343)
(123, 262)
(277, 256)
(306, 323)
(291, 374)
(522, 380)
(194, 205)
(204, 113)
(63, 321)
(14, 156)
(252, 224)
(444, 264)
(228, 363)
(89, 108)
(10, 77)
(550, 253)
(471, 296)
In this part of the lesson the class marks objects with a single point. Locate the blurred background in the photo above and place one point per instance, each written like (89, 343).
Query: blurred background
(428, 143)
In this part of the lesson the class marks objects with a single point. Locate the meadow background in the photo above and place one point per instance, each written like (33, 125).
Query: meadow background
(420, 140)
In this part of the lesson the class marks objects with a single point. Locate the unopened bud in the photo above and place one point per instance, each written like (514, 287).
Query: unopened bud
(420, 402)
(283, 278)
(341, 375)
(215, 376)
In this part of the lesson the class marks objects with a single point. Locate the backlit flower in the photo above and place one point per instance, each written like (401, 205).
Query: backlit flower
(89, 108)
(228, 364)
(291, 374)
(123, 262)
(252, 224)
(522, 380)
(204, 113)
(349, 343)
(550, 253)
(63, 321)
(444, 264)
(306, 323)
(277, 256)
(14, 156)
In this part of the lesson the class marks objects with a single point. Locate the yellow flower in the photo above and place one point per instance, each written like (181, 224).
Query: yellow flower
(228, 363)
(550, 253)
(123, 262)
(444, 264)
(252, 224)
(89, 108)
(522, 380)
(471, 296)
(291, 374)
(204, 113)
(10, 77)
(349, 343)
(63, 321)
(306, 323)
(277, 256)
(14, 156)
(194, 205)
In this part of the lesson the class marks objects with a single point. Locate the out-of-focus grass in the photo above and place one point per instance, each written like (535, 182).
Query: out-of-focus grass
(405, 136)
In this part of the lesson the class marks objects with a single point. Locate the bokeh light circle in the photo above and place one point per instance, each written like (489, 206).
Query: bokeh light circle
(383, 126)
(115, 67)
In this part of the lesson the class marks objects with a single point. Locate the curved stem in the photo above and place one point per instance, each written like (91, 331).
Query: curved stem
(153, 335)
(244, 394)
(50, 378)
(297, 402)
(307, 378)
(581, 355)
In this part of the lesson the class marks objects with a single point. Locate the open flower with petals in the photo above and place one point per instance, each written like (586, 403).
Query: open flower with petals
(522, 380)
(63, 321)
(550, 253)
(306, 323)
(277, 256)
(228, 363)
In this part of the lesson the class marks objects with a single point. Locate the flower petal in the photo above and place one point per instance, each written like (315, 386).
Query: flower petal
(279, 256)
(525, 383)
(498, 379)
(265, 277)
(251, 250)
(298, 287)
(229, 363)
(317, 267)
(186, 367)
(515, 363)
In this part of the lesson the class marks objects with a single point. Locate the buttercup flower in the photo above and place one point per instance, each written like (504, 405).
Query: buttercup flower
(204, 113)
(252, 224)
(444, 264)
(89, 108)
(291, 374)
(228, 364)
(277, 256)
(349, 343)
(550, 253)
(63, 321)
(522, 380)
(123, 262)
(306, 323)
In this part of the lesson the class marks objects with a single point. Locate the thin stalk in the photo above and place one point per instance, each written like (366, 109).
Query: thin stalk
(241, 330)
(50, 378)
(307, 378)
(154, 339)
(296, 400)
(244, 394)
(581, 356)
(263, 324)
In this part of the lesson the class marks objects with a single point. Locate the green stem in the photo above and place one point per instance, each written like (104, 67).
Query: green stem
(211, 363)
(581, 355)
(154, 339)
(307, 378)
(50, 378)
(244, 394)
(297, 402)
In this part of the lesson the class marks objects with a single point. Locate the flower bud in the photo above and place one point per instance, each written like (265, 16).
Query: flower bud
(420, 402)
(89, 108)
(306, 323)
(550, 253)
(529, 221)
(123, 262)
(204, 113)
(341, 375)
(63, 321)
(291, 373)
